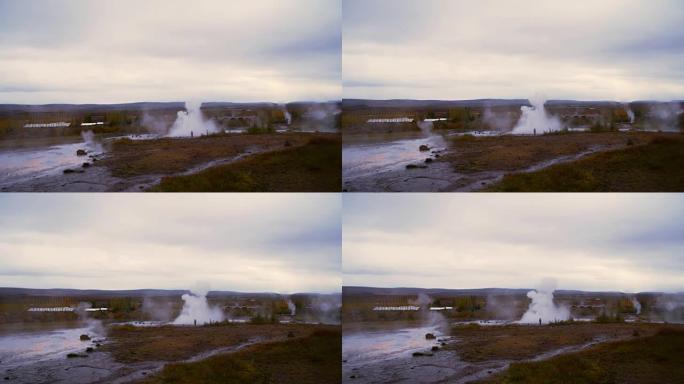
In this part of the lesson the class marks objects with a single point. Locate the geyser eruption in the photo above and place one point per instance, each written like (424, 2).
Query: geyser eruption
(637, 305)
(535, 120)
(196, 310)
(191, 122)
(291, 306)
(542, 308)
(288, 116)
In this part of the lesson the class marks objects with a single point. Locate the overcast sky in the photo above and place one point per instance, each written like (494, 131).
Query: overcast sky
(246, 242)
(83, 51)
(624, 242)
(465, 49)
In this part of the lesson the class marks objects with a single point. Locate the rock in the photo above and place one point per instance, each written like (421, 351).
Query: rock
(417, 354)
(85, 337)
(428, 160)
(290, 334)
(352, 377)
(73, 355)
(98, 344)
(443, 343)
(69, 170)
(414, 166)
(85, 165)
(438, 156)
(429, 336)
(435, 348)
(423, 148)
(90, 349)
(81, 152)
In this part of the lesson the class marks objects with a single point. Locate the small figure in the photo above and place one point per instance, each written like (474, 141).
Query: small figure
(535, 131)
(196, 322)
(540, 321)
(191, 136)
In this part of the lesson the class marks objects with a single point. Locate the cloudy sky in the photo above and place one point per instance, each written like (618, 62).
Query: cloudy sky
(626, 242)
(83, 51)
(465, 49)
(247, 242)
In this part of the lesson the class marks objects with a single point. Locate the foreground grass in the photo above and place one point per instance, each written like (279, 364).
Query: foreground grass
(520, 342)
(654, 167)
(313, 359)
(132, 344)
(313, 167)
(655, 359)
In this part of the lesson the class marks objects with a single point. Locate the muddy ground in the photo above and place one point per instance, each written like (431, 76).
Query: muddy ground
(471, 163)
(137, 165)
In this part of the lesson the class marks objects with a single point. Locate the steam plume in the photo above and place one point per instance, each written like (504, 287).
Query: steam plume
(535, 119)
(91, 143)
(542, 307)
(191, 122)
(196, 309)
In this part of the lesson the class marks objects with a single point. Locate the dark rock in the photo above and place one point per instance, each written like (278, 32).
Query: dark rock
(85, 337)
(435, 348)
(429, 336)
(417, 354)
(73, 355)
(81, 152)
(423, 148)
(90, 349)
(86, 165)
(414, 166)
(428, 160)
(352, 377)
(443, 343)
(69, 170)
(98, 344)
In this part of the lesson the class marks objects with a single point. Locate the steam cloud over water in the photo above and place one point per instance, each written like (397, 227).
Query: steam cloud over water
(197, 309)
(542, 305)
(535, 119)
(91, 143)
(291, 306)
(192, 122)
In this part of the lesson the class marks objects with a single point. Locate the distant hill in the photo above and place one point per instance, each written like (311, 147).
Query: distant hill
(465, 292)
(9, 291)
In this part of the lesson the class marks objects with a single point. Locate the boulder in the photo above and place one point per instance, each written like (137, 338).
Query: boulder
(435, 348)
(90, 349)
(86, 165)
(85, 337)
(430, 336)
(74, 355)
(81, 152)
(69, 170)
(428, 160)
(423, 148)
(415, 166)
(418, 354)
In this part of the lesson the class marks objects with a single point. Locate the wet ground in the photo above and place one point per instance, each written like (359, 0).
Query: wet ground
(394, 163)
(385, 352)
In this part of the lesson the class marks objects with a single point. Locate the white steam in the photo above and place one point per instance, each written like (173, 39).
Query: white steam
(90, 142)
(542, 308)
(291, 306)
(630, 114)
(288, 116)
(196, 310)
(426, 127)
(637, 305)
(535, 120)
(191, 122)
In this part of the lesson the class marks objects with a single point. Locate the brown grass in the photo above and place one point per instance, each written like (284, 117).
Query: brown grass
(312, 359)
(131, 344)
(516, 342)
(655, 359)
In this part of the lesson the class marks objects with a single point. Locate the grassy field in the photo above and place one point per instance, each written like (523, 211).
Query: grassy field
(313, 167)
(128, 158)
(516, 342)
(130, 344)
(312, 359)
(654, 359)
(657, 166)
